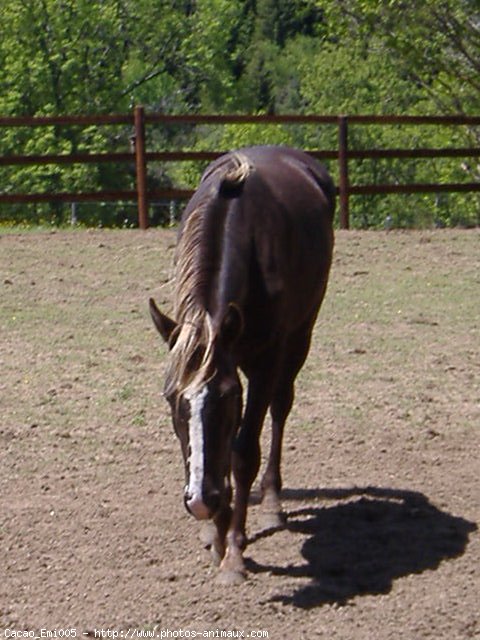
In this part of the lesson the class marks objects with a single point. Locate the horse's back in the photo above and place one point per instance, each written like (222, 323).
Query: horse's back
(290, 167)
(290, 175)
(266, 238)
(289, 199)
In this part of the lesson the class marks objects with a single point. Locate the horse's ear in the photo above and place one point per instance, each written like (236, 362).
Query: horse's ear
(231, 326)
(165, 325)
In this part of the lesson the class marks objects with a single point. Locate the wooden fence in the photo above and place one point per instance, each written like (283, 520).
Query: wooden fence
(140, 156)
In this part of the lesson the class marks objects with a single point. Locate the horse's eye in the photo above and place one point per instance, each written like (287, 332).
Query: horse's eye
(169, 397)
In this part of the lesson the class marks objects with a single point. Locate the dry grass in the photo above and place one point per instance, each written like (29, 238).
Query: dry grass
(92, 522)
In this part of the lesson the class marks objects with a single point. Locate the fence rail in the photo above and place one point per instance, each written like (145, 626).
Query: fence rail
(140, 157)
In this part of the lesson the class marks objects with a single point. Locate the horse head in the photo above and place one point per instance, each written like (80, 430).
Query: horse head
(205, 396)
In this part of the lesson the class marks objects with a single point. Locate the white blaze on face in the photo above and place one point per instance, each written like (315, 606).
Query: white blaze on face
(196, 400)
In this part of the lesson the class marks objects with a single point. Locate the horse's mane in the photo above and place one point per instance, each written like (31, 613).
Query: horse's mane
(192, 353)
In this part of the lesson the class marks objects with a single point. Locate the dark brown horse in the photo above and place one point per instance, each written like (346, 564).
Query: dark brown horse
(253, 257)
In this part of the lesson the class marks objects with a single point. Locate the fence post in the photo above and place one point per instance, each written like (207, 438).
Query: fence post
(141, 167)
(343, 171)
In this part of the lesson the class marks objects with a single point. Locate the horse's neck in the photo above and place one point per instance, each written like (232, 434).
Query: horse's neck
(214, 259)
(232, 271)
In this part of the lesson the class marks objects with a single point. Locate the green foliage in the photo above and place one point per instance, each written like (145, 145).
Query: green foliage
(435, 44)
(250, 56)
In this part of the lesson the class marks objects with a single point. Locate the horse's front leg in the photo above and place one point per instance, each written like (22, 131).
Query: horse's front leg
(245, 465)
(214, 532)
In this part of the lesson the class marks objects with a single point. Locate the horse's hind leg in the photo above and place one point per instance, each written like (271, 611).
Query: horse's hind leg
(271, 484)
(280, 407)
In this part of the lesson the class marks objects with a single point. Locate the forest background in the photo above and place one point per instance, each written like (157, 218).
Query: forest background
(418, 57)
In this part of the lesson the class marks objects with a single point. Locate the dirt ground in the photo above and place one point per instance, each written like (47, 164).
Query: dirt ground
(381, 457)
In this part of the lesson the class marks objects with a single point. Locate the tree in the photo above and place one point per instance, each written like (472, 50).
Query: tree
(251, 56)
(433, 51)
(75, 57)
(436, 44)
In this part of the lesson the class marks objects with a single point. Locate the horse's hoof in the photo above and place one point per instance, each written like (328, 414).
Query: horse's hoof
(208, 533)
(215, 555)
(229, 577)
(272, 520)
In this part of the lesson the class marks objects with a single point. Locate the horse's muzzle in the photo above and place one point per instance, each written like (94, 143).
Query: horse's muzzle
(202, 507)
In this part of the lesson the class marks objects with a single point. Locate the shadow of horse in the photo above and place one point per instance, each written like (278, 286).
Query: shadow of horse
(361, 544)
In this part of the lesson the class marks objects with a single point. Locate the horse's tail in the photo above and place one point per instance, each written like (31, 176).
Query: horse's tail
(235, 175)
